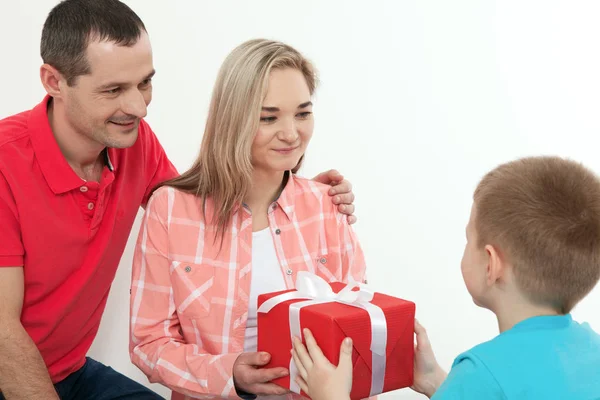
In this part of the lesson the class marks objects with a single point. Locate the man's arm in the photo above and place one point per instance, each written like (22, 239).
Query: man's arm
(23, 374)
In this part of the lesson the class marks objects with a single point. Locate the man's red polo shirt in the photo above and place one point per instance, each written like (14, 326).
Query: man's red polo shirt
(68, 234)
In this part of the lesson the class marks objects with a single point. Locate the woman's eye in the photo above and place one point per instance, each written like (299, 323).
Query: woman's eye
(304, 115)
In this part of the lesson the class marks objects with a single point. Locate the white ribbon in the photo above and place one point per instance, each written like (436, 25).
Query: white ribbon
(318, 291)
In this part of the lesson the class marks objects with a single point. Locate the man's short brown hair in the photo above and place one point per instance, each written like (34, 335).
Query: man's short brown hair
(71, 25)
(543, 214)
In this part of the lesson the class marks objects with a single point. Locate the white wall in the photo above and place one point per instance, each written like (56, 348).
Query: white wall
(419, 99)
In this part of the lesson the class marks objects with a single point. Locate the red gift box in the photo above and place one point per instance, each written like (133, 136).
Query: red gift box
(331, 322)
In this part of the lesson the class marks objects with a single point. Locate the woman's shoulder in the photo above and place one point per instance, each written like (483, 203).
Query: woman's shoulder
(176, 202)
(305, 185)
(311, 196)
(167, 192)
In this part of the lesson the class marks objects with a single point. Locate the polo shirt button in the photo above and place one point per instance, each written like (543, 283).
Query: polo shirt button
(323, 260)
(277, 231)
(83, 189)
(90, 206)
(289, 271)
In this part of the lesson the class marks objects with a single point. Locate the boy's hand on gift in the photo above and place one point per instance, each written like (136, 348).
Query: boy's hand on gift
(428, 373)
(317, 377)
(248, 376)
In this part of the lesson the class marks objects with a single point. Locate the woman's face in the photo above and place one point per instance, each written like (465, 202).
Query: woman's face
(286, 122)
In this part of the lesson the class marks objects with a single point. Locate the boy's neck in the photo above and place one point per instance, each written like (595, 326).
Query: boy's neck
(510, 313)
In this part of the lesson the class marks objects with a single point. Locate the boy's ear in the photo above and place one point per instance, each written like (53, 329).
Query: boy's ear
(496, 267)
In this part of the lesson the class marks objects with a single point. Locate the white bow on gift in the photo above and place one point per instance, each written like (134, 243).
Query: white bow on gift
(318, 291)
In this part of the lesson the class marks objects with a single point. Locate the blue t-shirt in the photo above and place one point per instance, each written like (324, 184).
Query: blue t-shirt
(546, 357)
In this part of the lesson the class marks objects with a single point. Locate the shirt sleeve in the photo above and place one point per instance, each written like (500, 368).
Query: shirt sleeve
(11, 245)
(159, 167)
(157, 346)
(469, 379)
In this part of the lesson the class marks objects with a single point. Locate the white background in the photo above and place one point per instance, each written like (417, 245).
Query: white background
(418, 100)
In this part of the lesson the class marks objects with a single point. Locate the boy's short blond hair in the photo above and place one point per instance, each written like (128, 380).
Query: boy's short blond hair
(543, 215)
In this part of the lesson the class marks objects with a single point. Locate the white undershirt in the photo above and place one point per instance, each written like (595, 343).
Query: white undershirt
(266, 277)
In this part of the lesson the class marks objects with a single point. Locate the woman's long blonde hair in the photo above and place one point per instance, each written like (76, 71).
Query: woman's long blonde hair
(223, 169)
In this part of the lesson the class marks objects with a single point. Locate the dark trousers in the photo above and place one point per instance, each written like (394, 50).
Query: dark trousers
(96, 381)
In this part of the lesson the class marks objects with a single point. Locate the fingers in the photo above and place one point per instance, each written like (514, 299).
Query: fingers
(345, 203)
(303, 385)
(249, 377)
(304, 358)
(421, 332)
(422, 338)
(347, 209)
(351, 219)
(419, 329)
(299, 366)
(268, 389)
(313, 349)
(342, 188)
(254, 359)
(330, 177)
(346, 356)
(265, 375)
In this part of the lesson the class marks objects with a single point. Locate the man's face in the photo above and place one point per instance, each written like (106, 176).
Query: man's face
(107, 104)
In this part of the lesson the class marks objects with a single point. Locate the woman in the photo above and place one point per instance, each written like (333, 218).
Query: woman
(237, 224)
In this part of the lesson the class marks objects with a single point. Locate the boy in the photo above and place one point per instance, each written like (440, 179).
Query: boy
(532, 253)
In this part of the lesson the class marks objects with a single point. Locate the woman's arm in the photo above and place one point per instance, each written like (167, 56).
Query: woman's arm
(353, 258)
(157, 346)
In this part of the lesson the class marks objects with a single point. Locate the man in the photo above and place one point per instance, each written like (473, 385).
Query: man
(74, 171)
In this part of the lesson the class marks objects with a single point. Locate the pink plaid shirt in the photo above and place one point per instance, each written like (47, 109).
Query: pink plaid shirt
(190, 297)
